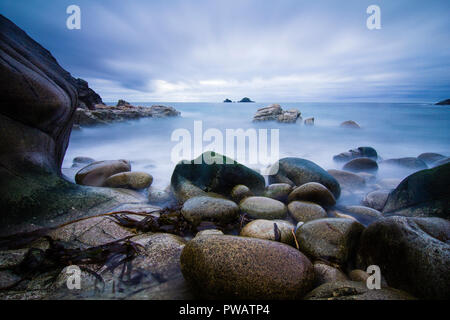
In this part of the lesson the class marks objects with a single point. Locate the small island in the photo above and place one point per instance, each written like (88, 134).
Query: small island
(245, 99)
(227, 101)
(443, 103)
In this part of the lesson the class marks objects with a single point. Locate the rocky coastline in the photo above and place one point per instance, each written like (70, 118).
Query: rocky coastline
(219, 230)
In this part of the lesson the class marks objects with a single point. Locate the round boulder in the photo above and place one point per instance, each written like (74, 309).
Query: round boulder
(313, 192)
(205, 208)
(297, 171)
(348, 180)
(412, 253)
(330, 239)
(361, 165)
(96, 173)
(350, 124)
(263, 208)
(326, 273)
(376, 199)
(306, 211)
(129, 180)
(240, 192)
(275, 230)
(278, 191)
(408, 162)
(245, 268)
(430, 158)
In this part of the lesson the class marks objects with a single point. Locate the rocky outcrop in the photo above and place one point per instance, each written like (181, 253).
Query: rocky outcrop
(274, 112)
(37, 108)
(227, 101)
(103, 114)
(350, 124)
(360, 152)
(87, 98)
(245, 99)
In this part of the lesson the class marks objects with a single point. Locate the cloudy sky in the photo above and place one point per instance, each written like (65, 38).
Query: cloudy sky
(284, 50)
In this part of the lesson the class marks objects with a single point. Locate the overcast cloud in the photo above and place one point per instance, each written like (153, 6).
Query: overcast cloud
(288, 50)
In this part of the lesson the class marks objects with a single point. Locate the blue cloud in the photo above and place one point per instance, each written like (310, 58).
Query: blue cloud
(289, 50)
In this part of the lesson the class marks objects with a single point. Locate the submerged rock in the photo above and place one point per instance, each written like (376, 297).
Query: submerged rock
(360, 152)
(212, 172)
(331, 239)
(199, 209)
(361, 165)
(130, 180)
(297, 171)
(443, 103)
(313, 192)
(363, 215)
(96, 173)
(424, 193)
(265, 229)
(376, 199)
(304, 211)
(245, 268)
(350, 124)
(412, 253)
(263, 208)
(408, 162)
(348, 180)
(431, 158)
(309, 122)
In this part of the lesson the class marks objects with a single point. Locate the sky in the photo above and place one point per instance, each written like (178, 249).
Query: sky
(271, 51)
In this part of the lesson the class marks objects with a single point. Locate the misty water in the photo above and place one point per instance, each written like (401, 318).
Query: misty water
(394, 130)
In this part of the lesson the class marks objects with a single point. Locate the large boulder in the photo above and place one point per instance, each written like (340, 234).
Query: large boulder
(348, 180)
(297, 171)
(199, 209)
(245, 268)
(430, 158)
(263, 208)
(361, 165)
(275, 230)
(412, 253)
(407, 162)
(313, 192)
(96, 173)
(38, 102)
(331, 239)
(212, 172)
(424, 193)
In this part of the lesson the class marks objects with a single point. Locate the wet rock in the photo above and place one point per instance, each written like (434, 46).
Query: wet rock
(96, 173)
(326, 273)
(418, 254)
(269, 113)
(361, 165)
(408, 162)
(441, 162)
(11, 258)
(360, 152)
(92, 231)
(376, 199)
(204, 208)
(352, 290)
(350, 124)
(278, 191)
(430, 158)
(289, 116)
(306, 211)
(209, 232)
(7, 279)
(82, 161)
(158, 196)
(348, 180)
(240, 192)
(363, 215)
(424, 193)
(245, 268)
(309, 122)
(129, 180)
(297, 171)
(331, 239)
(263, 208)
(212, 172)
(313, 192)
(265, 229)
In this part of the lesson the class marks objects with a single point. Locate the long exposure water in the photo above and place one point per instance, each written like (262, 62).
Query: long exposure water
(394, 130)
